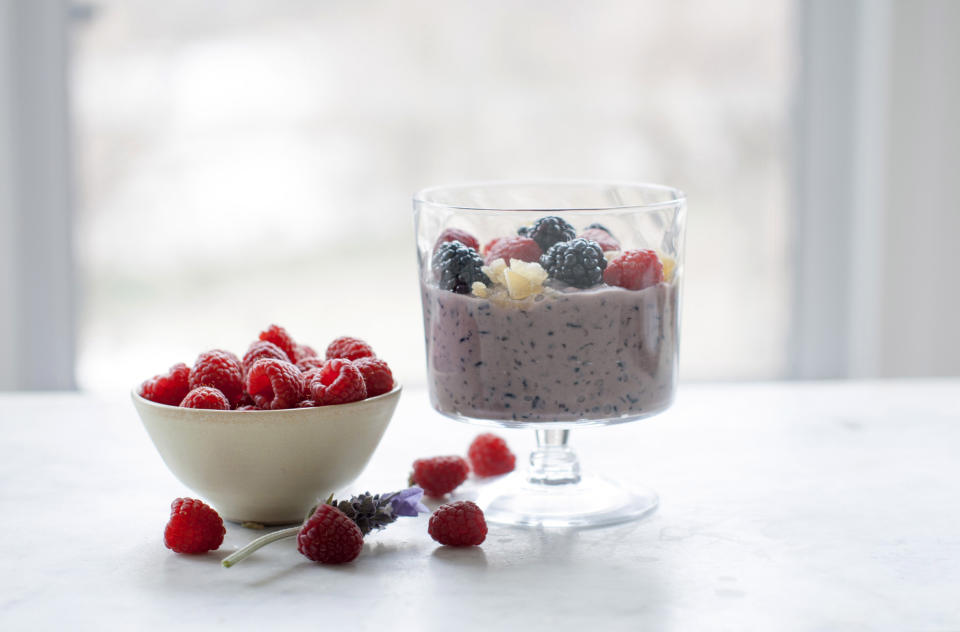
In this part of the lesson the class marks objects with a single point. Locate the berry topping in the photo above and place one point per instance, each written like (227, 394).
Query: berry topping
(261, 350)
(490, 456)
(607, 241)
(508, 248)
(330, 537)
(169, 389)
(579, 263)
(455, 234)
(349, 348)
(194, 527)
(205, 397)
(440, 474)
(635, 270)
(221, 370)
(550, 230)
(337, 382)
(279, 336)
(457, 267)
(376, 375)
(524, 279)
(275, 384)
(458, 524)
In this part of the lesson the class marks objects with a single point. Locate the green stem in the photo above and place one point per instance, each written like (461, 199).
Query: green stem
(264, 540)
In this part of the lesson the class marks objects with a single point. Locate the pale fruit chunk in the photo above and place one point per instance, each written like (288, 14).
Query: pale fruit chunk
(610, 255)
(495, 271)
(524, 279)
(479, 289)
(669, 266)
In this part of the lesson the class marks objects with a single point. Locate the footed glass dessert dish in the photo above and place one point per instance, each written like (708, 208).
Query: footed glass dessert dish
(551, 306)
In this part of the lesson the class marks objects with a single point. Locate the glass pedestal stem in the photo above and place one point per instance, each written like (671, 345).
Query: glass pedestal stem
(553, 462)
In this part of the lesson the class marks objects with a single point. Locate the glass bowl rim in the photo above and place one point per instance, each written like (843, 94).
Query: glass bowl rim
(679, 197)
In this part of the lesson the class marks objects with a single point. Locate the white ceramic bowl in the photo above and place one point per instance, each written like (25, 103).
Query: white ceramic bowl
(267, 466)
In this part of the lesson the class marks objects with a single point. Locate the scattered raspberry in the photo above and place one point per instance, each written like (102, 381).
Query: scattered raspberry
(507, 248)
(279, 336)
(275, 384)
(376, 375)
(455, 234)
(634, 270)
(439, 475)
(330, 537)
(169, 389)
(458, 524)
(307, 364)
(221, 370)
(490, 456)
(306, 403)
(601, 236)
(579, 262)
(337, 382)
(349, 348)
(260, 350)
(302, 352)
(206, 397)
(194, 527)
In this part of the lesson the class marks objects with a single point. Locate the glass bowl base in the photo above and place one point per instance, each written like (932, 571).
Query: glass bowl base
(591, 501)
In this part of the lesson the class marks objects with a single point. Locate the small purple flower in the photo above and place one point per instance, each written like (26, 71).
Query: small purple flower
(407, 502)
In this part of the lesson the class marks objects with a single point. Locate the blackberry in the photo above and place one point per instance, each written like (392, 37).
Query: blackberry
(524, 231)
(579, 262)
(547, 231)
(457, 267)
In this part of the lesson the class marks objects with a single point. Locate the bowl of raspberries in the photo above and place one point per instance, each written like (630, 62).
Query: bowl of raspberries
(263, 436)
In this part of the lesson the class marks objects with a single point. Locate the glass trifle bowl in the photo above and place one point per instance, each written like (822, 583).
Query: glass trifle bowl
(552, 305)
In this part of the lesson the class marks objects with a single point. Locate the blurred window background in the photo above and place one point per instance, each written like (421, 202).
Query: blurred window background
(242, 163)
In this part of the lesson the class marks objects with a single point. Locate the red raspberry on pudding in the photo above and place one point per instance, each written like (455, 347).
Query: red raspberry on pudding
(275, 384)
(376, 375)
(607, 241)
(221, 370)
(169, 389)
(456, 234)
(508, 248)
(634, 270)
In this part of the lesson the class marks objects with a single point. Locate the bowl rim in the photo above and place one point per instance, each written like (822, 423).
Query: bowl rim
(283, 412)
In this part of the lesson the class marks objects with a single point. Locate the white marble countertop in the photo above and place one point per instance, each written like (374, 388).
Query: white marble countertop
(804, 506)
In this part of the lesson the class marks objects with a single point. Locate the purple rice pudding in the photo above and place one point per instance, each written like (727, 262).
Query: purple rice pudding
(564, 354)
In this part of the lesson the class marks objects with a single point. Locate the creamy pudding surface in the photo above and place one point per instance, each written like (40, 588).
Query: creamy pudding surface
(561, 355)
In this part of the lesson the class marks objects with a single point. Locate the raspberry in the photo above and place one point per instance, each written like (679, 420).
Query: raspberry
(458, 524)
(275, 384)
(455, 234)
(490, 456)
(279, 336)
(602, 236)
(635, 270)
(205, 397)
(376, 375)
(307, 364)
(440, 474)
(508, 248)
(548, 231)
(308, 376)
(579, 263)
(194, 527)
(221, 370)
(306, 403)
(457, 267)
(259, 350)
(349, 348)
(246, 407)
(330, 537)
(302, 352)
(487, 247)
(169, 389)
(337, 382)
